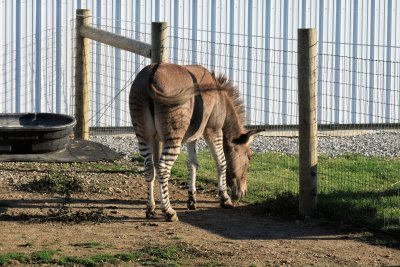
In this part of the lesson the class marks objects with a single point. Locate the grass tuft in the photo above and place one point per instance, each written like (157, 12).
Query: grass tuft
(75, 261)
(59, 182)
(159, 256)
(165, 253)
(47, 257)
(8, 258)
(43, 256)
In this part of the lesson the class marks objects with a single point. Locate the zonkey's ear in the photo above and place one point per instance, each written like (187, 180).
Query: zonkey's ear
(246, 137)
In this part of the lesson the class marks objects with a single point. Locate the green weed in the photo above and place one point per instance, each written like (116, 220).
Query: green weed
(48, 257)
(75, 261)
(148, 256)
(8, 258)
(165, 253)
(59, 182)
(43, 256)
(159, 256)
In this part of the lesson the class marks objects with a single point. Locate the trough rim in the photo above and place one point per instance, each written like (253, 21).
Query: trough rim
(5, 128)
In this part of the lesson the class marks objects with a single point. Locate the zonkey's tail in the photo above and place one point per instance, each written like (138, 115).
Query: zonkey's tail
(180, 97)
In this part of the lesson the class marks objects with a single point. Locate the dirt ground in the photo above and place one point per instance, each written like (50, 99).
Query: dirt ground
(235, 237)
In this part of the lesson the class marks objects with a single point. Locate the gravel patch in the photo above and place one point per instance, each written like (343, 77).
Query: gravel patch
(378, 143)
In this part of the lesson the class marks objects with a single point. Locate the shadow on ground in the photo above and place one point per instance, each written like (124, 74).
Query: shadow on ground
(250, 223)
(244, 222)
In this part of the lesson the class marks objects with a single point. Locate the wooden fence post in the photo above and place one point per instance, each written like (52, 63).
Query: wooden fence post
(157, 50)
(307, 73)
(82, 76)
(159, 42)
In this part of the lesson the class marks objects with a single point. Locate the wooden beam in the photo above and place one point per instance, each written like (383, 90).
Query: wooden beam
(116, 40)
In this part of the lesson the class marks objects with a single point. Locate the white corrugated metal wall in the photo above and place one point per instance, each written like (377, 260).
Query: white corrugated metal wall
(253, 42)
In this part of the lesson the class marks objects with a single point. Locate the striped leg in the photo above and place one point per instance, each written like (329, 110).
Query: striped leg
(150, 159)
(169, 155)
(192, 167)
(215, 143)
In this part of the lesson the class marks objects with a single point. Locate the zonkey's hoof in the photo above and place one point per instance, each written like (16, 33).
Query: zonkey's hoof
(226, 203)
(171, 217)
(191, 205)
(150, 214)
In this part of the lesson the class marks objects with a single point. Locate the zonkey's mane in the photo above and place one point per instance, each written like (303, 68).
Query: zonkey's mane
(234, 96)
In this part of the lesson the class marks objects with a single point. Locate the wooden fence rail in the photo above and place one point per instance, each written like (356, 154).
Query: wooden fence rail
(115, 40)
(84, 33)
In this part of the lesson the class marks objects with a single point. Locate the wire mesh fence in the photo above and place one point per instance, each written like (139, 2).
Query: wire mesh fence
(357, 89)
(358, 112)
(357, 168)
(112, 73)
(358, 156)
(358, 160)
(22, 74)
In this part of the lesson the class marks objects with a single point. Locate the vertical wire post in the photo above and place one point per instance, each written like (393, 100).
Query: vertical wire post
(308, 158)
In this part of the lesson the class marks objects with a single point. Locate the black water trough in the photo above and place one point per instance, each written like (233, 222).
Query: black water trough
(25, 133)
